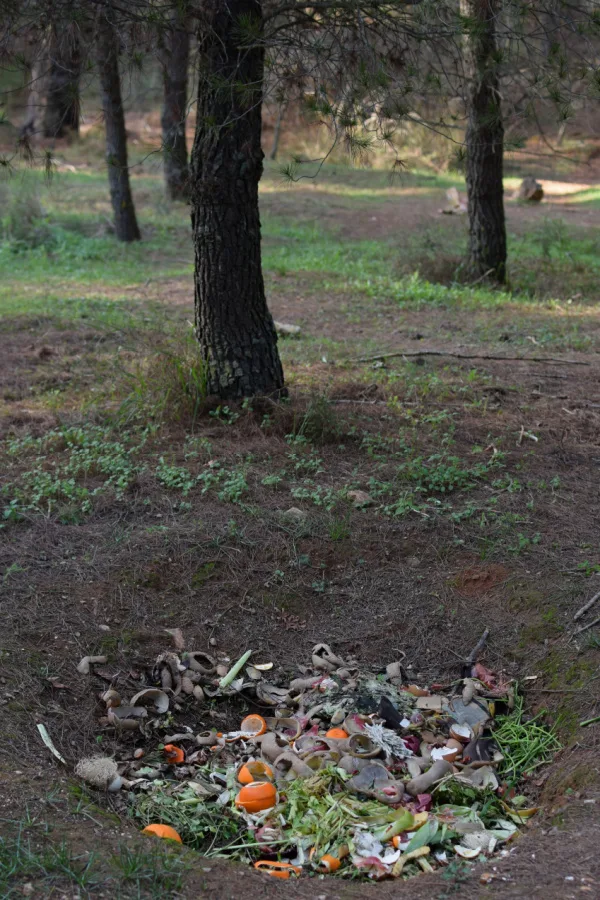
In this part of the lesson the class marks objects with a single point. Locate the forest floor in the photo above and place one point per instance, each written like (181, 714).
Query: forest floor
(484, 475)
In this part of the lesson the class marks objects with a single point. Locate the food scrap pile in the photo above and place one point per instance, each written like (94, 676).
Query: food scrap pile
(341, 770)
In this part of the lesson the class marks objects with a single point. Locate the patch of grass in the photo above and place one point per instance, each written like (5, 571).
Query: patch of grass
(317, 424)
(29, 856)
(153, 873)
(168, 384)
(25, 858)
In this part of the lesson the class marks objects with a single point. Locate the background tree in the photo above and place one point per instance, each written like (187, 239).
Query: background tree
(484, 141)
(35, 61)
(107, 44)
(61, 110)
(174, 58)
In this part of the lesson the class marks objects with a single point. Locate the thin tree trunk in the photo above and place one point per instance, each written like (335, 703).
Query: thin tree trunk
(484, 143)
(126, 227)
(38, 66)
(277, 130)
(31, 126)
(234, 326)
(61, 113)
(175, 59)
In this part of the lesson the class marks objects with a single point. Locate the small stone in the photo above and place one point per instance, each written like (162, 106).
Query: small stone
(104, 627)
(295, 514)
(456, 205)
(530, 190)
(360, 498)
(287, 329)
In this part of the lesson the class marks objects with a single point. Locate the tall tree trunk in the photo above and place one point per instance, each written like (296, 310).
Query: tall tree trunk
(61, 114)
(126, 227)
(484, 142)
(234, 326)
(174, 60)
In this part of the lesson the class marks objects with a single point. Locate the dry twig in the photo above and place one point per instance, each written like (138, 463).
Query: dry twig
(591, 625)
(534, 359)
(586, 606)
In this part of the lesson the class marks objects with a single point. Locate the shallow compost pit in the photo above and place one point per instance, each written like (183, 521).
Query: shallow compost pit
(340, 770)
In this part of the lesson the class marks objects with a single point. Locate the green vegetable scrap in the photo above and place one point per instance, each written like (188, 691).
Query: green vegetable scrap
(525, 745)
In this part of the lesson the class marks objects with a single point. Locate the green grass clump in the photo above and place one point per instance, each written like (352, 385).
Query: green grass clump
(56, 868)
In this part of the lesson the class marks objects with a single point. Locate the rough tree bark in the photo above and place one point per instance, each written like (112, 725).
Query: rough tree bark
(126, 227)
(61, 113)
(233, 324)
(484, 142)
(175, 55)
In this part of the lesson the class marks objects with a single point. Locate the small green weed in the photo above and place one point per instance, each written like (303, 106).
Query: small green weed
(320, 496)
(273, 480)
(224, 414)
(588, 568)
(524, 543)
(439, 474)
(231, 484)
(174, 477)
(304, 458)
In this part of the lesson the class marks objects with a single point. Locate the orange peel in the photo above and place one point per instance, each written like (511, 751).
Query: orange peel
(277, 869)
(257, 796)
(158, 829)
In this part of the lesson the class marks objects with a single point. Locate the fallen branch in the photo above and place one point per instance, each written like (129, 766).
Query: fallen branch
(586, 606)
(591, 625)
(534, 359)
(481, 278)
(363, 402)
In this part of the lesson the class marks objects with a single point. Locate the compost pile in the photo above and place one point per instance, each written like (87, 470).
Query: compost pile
(340, 770)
